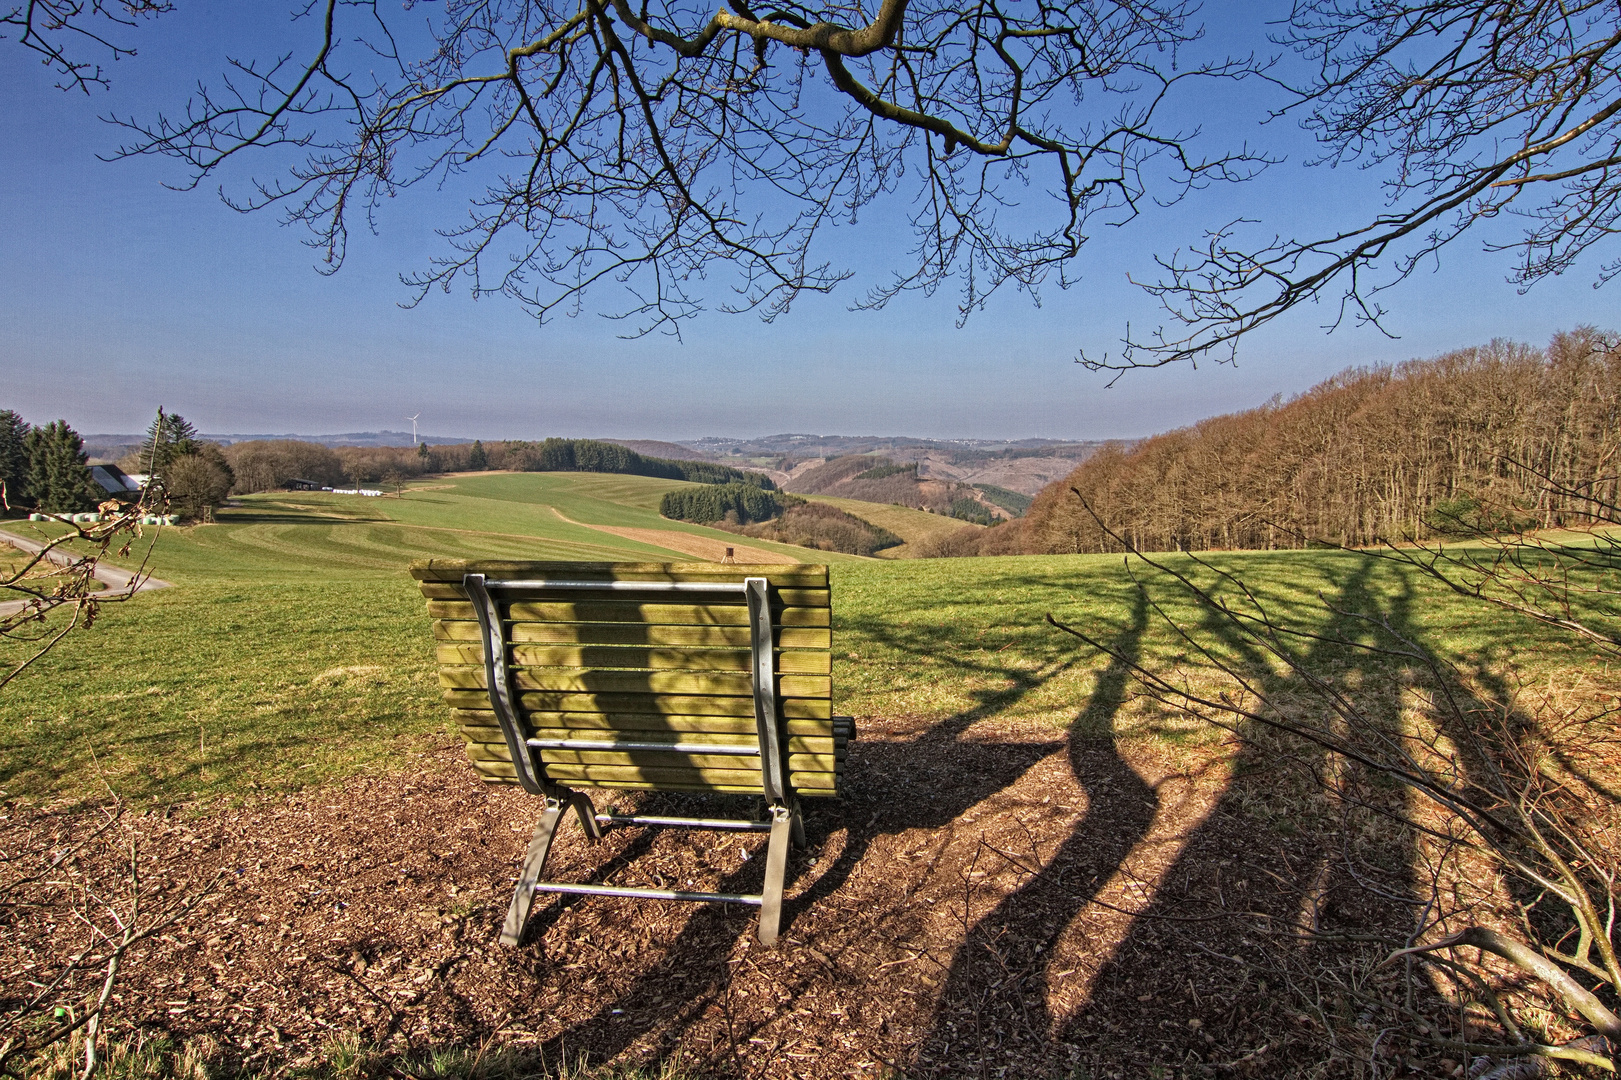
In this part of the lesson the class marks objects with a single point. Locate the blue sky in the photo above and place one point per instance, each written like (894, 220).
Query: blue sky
(118, 295)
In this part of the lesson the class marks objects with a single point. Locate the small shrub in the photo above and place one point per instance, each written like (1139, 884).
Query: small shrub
(197, 480)
(1466, 515)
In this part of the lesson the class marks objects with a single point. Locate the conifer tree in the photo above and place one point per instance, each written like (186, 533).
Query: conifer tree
(477, 459)
(13, 458)
(168, 437)
(58, 476)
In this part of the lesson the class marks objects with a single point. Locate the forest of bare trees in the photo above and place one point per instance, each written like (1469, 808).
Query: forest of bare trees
(1416, 450)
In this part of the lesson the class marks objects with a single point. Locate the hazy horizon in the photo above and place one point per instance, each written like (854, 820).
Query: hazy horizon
(446, 439)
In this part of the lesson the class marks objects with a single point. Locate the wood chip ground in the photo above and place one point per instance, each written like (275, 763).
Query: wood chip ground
(987, 900)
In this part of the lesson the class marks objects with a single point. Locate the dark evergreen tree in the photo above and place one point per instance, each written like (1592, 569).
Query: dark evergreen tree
(741, 503)
(167, 437)
(58, 478)
(477, 459)
(14, 458)
(588, 455)
(422, 451)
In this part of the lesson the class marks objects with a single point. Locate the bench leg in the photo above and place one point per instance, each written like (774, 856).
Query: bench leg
(587, 814)
(540, 845)
(776, 867)
(798, 824)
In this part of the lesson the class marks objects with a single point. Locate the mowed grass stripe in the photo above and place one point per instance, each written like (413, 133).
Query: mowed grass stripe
(379, 548)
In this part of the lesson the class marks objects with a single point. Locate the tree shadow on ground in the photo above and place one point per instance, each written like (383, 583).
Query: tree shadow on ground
(1257, 987)
(1186, 985)
(1191, 977)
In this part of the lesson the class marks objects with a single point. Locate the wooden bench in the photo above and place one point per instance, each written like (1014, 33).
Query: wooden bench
(654, 676)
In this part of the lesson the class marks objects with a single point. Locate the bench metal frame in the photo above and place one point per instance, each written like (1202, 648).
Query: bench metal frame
(785, 823)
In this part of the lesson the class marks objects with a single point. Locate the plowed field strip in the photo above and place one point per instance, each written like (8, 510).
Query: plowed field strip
(689, 544)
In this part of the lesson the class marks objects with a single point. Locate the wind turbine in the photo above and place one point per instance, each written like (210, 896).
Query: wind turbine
(413, 420)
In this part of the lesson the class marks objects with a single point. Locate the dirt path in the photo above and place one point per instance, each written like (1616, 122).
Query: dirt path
(115, 579)
(689, 544)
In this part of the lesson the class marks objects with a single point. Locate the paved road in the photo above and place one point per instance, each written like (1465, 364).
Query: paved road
(115, 579)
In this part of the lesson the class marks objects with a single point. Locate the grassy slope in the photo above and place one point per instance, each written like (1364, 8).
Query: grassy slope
(11, 560)
(910, 525)
(968, 637)
(294, 647)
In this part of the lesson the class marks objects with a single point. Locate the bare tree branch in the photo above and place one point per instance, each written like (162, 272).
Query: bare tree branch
(1469, 110)
(653, 147)
(61, 32)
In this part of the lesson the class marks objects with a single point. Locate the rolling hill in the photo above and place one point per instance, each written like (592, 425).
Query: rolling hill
(585, 516)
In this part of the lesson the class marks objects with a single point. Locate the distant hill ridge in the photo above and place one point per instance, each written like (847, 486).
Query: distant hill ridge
(1022, 466)
(669, 451)
(831, 446)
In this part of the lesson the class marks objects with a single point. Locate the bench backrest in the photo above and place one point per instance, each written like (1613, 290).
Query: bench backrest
(624, 676)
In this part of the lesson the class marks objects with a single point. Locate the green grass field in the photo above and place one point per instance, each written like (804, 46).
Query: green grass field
(503, 515)
(295, 649)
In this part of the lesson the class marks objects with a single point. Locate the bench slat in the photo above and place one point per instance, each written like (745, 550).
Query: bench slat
(808, 754)
(496, 772)
(796, 744)
(636, 657)
(810, 763)
(617, 775)
(644, 722)
(815, 708)
(524, 633)
(790, 597)
(453, 570)
(682, 728)
(587, 680)
(609, 611)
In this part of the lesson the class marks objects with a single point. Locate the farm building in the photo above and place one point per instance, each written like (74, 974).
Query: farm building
(115, 481)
